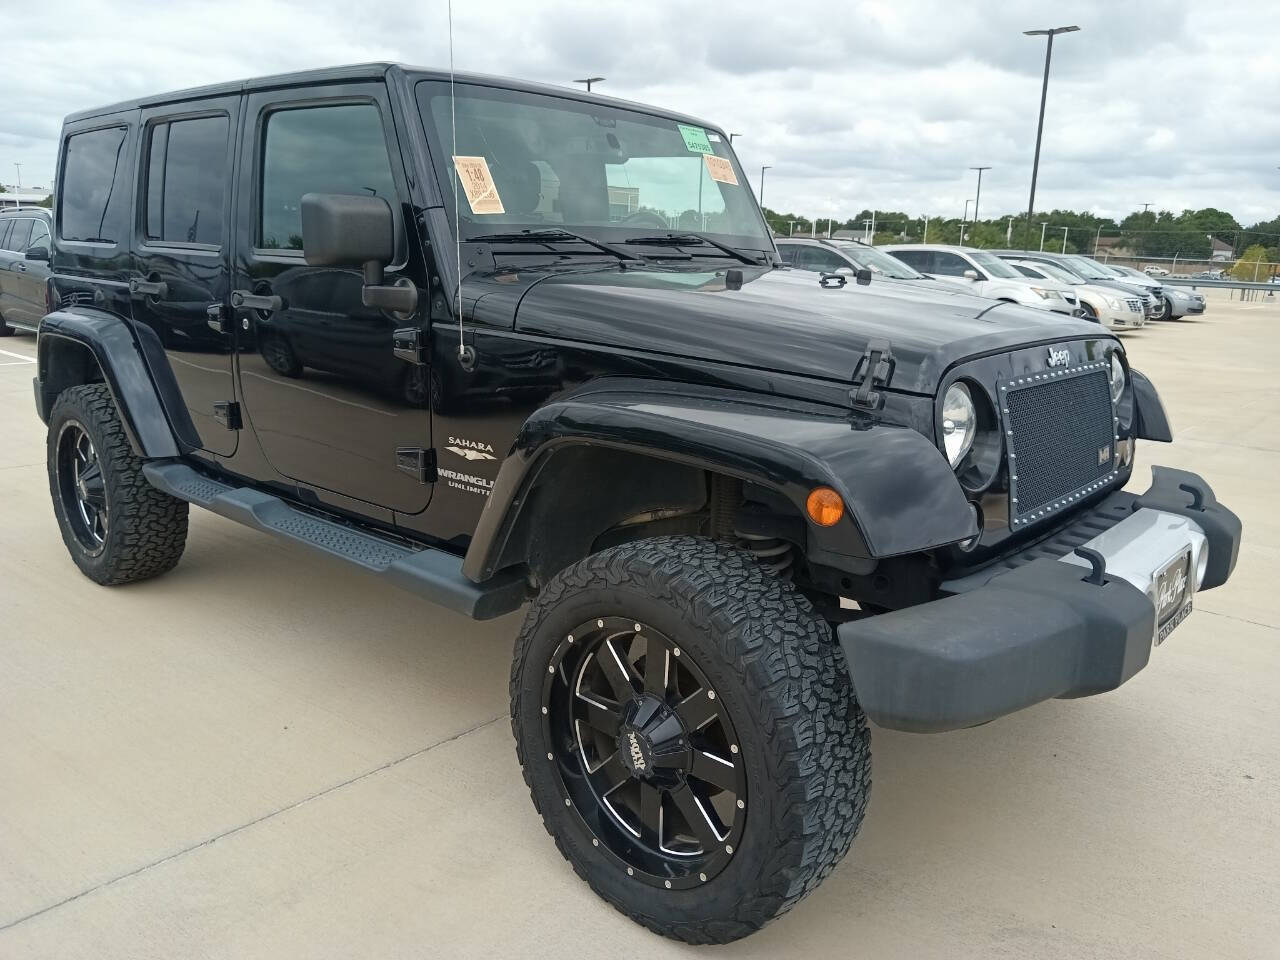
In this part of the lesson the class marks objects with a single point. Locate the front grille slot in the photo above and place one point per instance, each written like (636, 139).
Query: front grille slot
(1060, 431)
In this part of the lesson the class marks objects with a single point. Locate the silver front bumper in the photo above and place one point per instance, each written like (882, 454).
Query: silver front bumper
(1142, 544)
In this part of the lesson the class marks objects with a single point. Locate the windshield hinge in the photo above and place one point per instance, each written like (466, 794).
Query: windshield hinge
(418, 462)
(875, 367)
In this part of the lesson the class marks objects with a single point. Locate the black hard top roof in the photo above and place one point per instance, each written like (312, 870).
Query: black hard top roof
(371, 71)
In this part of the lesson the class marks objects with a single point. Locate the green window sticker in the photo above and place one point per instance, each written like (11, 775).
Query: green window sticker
(695, 139)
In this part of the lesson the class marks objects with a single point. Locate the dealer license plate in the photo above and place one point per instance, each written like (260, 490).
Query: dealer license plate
(1173, 594)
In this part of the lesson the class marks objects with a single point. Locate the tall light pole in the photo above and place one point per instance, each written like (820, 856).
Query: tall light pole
(589, 81)
(1064, 239)
(1043, 224)
(762, 170)
(19, 166)
(1145, 206)
(791, 228)
(964, 219)
(1097, 241)
(732, 135)
(1044, 93)
(925, 238)
(979, 196)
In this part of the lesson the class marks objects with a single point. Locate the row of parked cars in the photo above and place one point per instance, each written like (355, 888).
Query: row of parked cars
(1118, 298)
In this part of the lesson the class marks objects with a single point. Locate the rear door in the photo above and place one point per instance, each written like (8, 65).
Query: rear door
(330, 403)
(31, 276)
(181, 258)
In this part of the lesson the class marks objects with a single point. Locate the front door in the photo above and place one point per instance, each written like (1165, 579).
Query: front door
(181, 259)
(331, 404)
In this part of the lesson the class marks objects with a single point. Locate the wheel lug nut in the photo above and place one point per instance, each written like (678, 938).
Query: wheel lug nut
(630, 872)
(733, 748)
(741, 804)
(568, 802)
(711, 694)
(595, 842)
(728, 847)
(702, 877)
(667, 884)
(550, 755)
(551, 668)
(544, 711)
(638, 628)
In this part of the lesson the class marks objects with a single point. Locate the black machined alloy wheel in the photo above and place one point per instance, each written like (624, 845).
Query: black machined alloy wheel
(81, 485)
(646, 752)
(688, 731)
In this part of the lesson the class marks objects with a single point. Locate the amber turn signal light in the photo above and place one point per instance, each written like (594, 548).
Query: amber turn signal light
(825, 506)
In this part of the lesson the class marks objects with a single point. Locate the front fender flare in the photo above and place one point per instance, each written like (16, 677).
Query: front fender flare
(901, 495)
(110, 341)
(1150, 420)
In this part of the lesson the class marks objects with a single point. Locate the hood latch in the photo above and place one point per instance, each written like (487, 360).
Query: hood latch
(875, 368)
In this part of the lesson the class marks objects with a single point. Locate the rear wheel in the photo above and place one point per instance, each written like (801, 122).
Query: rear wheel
(117, 527)
(1090, 314)
(688, 732)
(280, 356)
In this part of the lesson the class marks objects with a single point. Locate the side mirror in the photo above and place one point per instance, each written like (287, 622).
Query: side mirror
(38, 253)
(342, 230)
(971, 274)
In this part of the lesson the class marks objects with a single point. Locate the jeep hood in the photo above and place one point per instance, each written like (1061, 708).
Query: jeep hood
(784, 320)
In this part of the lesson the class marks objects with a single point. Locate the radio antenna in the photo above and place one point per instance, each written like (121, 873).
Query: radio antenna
(466, 356)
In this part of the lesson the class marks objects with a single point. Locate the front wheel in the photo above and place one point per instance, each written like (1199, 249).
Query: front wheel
(1090, 314)
(688, 732)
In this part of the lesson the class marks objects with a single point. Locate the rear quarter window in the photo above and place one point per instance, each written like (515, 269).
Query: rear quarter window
(94, 188)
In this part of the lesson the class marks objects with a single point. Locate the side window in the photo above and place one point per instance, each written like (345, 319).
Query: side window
(186, 181)
(788, 253)
(6, 229)
(818, 259)
(949, 264)
(922, 260)
(17, 240)
(94, 186)
(338, 149)
(39, 235)
(1031, 272)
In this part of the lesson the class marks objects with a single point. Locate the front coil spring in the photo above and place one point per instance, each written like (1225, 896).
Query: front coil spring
(773, 554)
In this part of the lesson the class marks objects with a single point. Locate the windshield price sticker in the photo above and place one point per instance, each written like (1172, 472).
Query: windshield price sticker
(478, 185)
(695, 139)
(721, 170)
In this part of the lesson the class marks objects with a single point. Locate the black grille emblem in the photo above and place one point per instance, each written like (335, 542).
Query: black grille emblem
(1104, 454)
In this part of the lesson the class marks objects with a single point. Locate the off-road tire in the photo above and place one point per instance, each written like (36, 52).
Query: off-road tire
(786, 687)
(147, 529)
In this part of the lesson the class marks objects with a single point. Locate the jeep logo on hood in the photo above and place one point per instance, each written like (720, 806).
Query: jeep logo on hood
(1059, 358)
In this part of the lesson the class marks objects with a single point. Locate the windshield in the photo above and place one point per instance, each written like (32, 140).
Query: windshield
(1087, 268)
(536, 162)
(1057, 272)
(994, 266)
(880, 262)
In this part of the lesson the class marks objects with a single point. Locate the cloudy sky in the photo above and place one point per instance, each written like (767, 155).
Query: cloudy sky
(880, 103)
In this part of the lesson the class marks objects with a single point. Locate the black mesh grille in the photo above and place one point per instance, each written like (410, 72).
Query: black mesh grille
(1062, 432)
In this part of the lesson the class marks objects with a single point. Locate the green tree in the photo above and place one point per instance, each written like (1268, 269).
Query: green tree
(1250, 265)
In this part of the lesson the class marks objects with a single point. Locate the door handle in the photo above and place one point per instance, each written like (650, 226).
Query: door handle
(20, 267)
(248, 300)
(147, 288)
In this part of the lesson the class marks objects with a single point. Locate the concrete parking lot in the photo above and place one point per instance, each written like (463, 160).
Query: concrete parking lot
(265, 755)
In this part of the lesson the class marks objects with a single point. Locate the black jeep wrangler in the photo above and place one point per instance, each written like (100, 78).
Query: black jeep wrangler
(503, 344)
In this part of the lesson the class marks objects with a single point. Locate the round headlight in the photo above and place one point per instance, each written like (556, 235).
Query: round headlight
(959, 422)
(1117, 377)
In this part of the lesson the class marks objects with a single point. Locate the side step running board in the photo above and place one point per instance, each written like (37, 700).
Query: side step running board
(430, 573)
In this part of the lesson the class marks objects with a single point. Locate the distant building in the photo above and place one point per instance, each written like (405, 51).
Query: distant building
(1221, 251)
(24, 197)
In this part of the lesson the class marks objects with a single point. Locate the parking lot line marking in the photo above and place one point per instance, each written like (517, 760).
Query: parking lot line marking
(251, 823)
(20, 356)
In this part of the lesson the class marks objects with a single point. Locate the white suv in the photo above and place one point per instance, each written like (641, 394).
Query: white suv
(986, 275)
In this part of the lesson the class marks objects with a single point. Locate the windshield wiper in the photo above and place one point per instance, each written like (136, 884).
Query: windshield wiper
(679, 239)
(550, 236)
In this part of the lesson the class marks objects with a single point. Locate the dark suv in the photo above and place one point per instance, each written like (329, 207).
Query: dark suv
(24, 268)
(748, 508)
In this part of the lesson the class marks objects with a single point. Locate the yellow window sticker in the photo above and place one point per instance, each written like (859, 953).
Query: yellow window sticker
(478, 185)
(721, 170)
(695, 139)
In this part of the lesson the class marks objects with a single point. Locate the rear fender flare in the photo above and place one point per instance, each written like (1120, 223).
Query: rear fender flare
(901, 495)
(69, 339)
